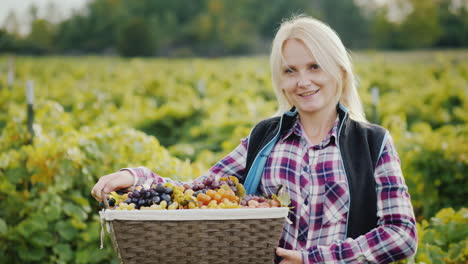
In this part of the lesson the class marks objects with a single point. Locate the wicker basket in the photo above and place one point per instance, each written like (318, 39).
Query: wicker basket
(243, 235)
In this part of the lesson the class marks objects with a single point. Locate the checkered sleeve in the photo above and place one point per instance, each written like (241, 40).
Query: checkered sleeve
(394, 238)
(232, 164)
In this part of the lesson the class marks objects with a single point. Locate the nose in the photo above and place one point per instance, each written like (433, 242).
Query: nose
(303, 80)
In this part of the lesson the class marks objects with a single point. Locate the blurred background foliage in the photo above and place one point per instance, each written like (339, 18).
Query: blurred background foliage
(223, 27)
(95, 115)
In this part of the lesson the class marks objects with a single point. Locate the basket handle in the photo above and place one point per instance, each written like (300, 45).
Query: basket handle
(106, 203)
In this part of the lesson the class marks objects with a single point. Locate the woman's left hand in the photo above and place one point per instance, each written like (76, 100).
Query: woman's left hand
(289, 256)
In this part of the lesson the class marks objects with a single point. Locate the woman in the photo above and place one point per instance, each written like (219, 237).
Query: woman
(351, 204)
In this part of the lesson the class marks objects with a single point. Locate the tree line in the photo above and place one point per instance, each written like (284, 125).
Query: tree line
(224, 27)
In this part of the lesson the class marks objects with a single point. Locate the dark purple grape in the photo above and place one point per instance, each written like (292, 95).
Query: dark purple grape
(166, 197)
(130, 195)
(160, 188)
(111, 201)
(121, 191)
(101, 204)
(215, 185)
(230, 183)
(135, 200)
(141, 202)
(136, 194)
(147, 194)
(128, 200)
(168, 190)
(156, 199)
(207, 181)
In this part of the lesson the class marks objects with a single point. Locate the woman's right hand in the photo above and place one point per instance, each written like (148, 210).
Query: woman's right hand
(112, 182)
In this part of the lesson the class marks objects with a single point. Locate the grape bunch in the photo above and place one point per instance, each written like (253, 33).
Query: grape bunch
(158, 196)
(209, 193)
(223, 198)
(259, 202)
(114, 198)
(211, 183)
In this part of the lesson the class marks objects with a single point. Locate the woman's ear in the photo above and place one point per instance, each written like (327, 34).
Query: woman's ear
(344, 73)
(344, 77)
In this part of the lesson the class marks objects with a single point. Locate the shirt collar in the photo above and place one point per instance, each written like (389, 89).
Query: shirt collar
(296, 130)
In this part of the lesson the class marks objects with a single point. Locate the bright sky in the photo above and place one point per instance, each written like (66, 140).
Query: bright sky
(21, 8)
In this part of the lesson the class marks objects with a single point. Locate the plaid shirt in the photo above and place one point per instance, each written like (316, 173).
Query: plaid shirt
(315, 179)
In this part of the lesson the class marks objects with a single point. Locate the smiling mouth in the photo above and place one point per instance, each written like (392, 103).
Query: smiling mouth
(309, 93)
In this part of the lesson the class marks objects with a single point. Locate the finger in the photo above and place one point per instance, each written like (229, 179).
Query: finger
(113, 185)
(97, 189)
(282, 252)
(289, 256)
(118, 181)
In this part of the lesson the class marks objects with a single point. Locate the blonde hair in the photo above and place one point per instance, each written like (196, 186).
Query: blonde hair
(331, 55)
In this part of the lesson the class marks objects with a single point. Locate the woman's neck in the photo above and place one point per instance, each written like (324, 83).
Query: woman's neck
(316, 126)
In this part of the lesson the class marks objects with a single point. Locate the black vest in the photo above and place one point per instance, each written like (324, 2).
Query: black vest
(360, 145)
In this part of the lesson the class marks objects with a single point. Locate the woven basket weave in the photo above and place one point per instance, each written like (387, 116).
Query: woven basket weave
(202, 240)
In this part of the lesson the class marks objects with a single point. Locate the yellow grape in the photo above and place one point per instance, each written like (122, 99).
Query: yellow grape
(213, 204)
(163, 204)
(192, 205)
(173, 206)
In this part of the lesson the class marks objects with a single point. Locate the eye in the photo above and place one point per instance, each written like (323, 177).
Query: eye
(314, 66)
(288, 70)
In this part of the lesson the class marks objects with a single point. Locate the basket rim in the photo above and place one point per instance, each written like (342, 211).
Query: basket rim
(194, 214)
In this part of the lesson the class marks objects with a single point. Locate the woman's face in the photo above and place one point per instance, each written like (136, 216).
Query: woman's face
(305, 84)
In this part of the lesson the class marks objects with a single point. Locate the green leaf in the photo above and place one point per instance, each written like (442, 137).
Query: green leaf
(240, 190)
(80, 200)
(42, 239)
(82, 257)
(456, 232)
(3, 227)
(73, 210)
(66, 230)
(63, 181)
(15, 175)
(436, 254)
(32, 225)
(31, 254)
(64, 252)
(76, 223)
(429, 236)
(52, 212)
(97, 255)
(284, 199)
